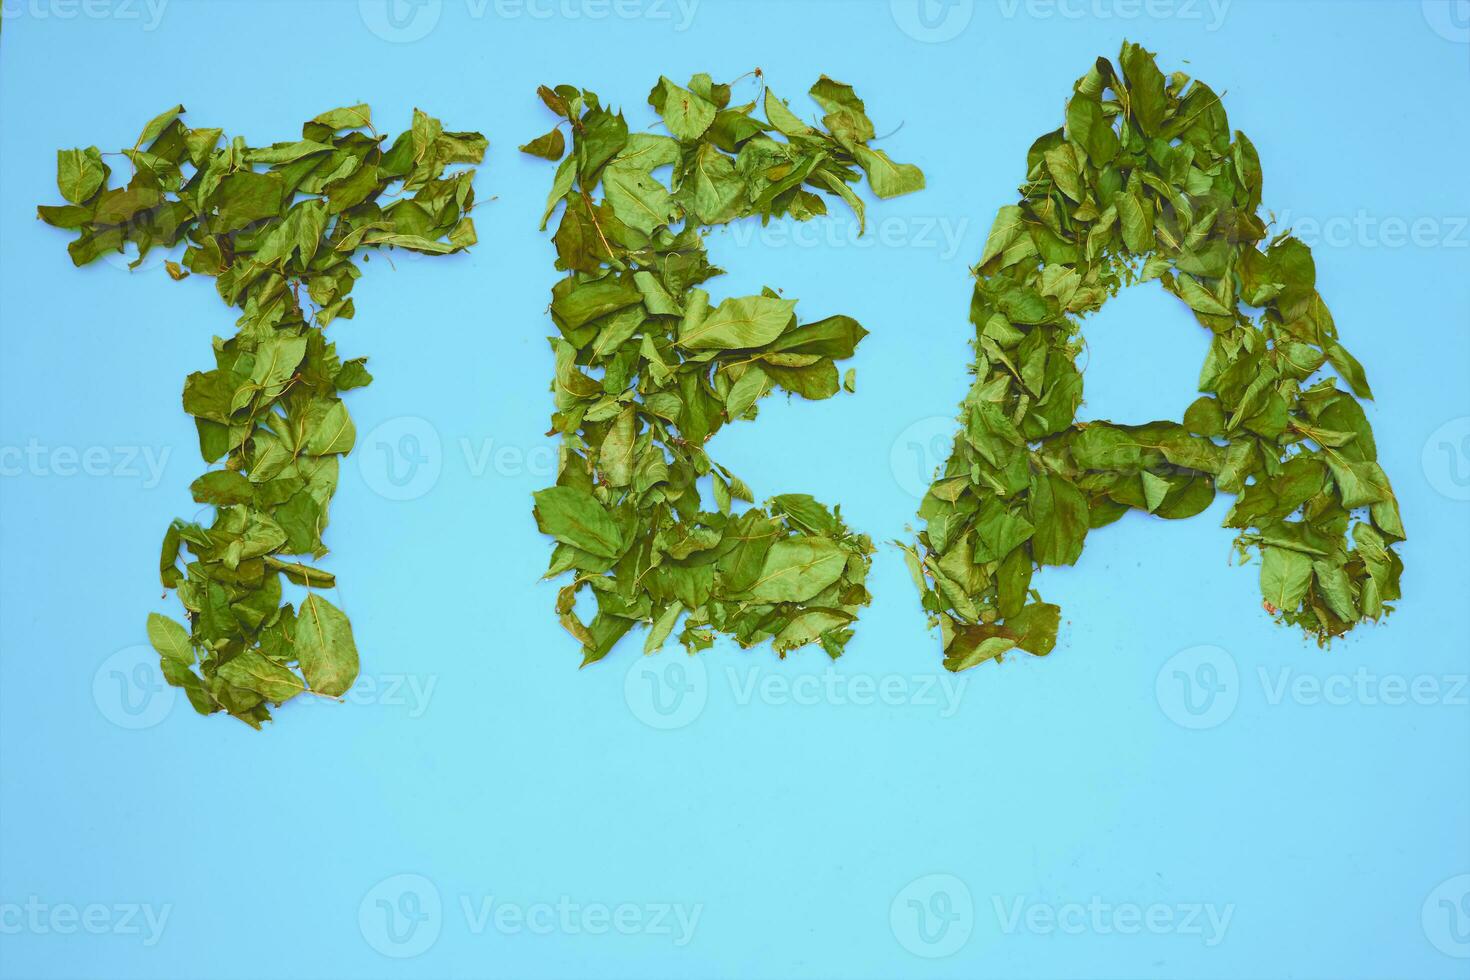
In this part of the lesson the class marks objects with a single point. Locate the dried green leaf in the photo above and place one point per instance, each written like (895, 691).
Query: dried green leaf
(324, 645)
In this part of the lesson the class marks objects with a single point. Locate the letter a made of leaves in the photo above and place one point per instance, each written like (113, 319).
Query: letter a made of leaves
(649, 368)
(1146, 182)
(279, 229)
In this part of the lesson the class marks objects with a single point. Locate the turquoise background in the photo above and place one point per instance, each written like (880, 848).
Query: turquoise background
(1178, 756)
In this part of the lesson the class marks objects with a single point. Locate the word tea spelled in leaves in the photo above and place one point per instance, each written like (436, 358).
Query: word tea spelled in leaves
(1145, 182)
(278, 228)
(649, 368)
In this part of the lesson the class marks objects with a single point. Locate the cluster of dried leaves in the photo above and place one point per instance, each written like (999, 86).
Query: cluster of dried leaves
(649, 368)
(279, 228)
(1145, 182)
